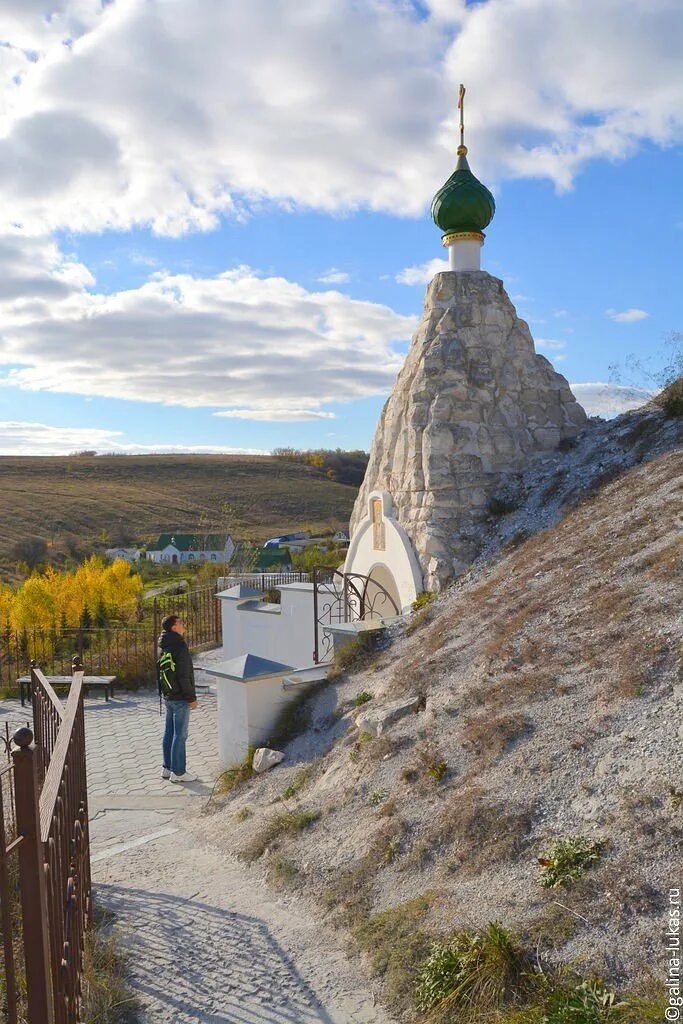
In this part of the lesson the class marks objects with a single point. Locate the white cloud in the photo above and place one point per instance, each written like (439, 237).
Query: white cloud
(422, 273)
(626, 316)
(250, 346)
(26, 438)
(170, 114)
(334, 276)
(551, 344)
(275, 415)
(599, 399)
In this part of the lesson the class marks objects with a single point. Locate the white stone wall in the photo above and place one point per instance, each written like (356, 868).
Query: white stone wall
(282, 633)
(471, 404)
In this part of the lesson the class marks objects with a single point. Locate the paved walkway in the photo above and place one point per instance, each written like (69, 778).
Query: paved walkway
(208, 944)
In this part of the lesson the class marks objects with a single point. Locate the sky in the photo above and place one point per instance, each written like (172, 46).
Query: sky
(214, 216)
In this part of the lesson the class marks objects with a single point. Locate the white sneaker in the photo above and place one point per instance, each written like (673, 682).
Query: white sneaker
(166, 773)
(185, 777)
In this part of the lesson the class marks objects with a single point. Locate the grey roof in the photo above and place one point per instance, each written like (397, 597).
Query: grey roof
(240, 590)
(250, 666)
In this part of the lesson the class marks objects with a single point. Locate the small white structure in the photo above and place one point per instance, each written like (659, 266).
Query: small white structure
(190, 547)
(250, 699)
(127, 554)
(282, 632)
(381, 549)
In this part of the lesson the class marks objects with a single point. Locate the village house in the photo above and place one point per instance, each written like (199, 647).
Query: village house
(127, 554)
(191, 547)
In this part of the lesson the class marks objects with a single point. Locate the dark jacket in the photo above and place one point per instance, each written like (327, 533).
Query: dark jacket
(183, 688)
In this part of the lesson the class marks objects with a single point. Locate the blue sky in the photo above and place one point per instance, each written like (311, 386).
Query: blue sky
(115, 259)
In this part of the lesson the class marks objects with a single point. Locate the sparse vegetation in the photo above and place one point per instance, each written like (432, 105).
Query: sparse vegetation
(396, 941)
(354, 656)
(490, 737)
(228, 780)
(276, 829)
(671, 399)
(568, 859)
(107, 996)
(362, 698)
(423, 600)
(244, 814)
(300, 780)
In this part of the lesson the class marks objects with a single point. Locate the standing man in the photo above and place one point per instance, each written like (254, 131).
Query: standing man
(176, 683)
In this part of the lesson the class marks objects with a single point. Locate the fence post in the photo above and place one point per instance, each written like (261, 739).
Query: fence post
(32, 881)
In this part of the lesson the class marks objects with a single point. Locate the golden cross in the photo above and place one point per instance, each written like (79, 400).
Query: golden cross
(461, 108)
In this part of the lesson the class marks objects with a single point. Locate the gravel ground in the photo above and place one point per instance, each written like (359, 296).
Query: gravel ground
(206, 941)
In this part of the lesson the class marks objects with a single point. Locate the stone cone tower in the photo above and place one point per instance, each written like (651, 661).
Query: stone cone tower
(472, 402)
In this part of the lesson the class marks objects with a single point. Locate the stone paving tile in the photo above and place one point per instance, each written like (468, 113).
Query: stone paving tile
(123, 744)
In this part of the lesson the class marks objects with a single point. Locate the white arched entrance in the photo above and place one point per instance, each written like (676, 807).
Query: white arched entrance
(381, 549)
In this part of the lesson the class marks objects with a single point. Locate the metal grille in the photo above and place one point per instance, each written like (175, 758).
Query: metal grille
(345, 597)
(12, 975)
(199, 611)
(123, 651)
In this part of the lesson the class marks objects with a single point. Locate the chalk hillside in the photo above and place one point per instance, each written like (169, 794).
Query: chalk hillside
(549, 707)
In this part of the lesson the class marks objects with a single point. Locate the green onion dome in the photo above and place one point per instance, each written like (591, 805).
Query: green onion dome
(463, 204)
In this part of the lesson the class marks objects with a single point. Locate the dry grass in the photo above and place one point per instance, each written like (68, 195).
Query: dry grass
(472, 833)
(142, 496)
(107, 997)
(275, 830)
(491, 737)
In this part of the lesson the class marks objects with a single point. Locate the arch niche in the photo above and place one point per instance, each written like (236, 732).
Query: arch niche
(381, 549)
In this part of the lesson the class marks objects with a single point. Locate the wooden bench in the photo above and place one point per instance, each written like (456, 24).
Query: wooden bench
(105, 683)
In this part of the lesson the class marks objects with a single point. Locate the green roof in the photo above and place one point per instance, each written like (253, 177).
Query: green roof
(272, 556)
(191, 542)
(463, 203)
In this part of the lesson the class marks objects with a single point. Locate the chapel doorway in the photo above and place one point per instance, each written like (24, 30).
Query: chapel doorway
(383, 578)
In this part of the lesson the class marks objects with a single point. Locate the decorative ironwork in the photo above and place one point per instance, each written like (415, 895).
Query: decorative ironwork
(200, 612)
(104, 651)
(345, 597)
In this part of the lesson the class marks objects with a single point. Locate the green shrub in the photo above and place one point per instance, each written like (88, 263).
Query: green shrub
(568, 859)
(485, 970)
(423, 600)
(362, 698)
(437, 771)
(589, 1002)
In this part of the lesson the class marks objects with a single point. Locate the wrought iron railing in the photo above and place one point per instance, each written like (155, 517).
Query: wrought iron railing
(12, 988)
(200, 612)
(345, 597)
(124, 651)
(66, 848)
(45, 861)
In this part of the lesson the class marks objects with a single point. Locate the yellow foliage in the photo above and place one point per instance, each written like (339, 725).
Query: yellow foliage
(49, 598)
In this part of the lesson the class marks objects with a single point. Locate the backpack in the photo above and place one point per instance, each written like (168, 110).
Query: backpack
(166, 674)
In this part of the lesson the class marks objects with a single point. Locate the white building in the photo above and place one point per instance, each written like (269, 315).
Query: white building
(127, 554)
(190, 547)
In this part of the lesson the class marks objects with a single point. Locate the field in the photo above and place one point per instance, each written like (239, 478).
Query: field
(81, 503)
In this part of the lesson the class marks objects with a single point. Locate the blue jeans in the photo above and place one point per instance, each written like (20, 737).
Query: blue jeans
(175, 735)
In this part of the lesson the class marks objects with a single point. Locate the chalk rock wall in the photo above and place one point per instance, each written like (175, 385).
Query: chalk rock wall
(472, 402)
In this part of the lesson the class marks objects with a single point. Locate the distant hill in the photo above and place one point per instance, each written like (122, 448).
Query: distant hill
(76, 503)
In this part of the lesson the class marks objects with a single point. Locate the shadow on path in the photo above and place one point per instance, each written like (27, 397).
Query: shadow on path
(194, 963)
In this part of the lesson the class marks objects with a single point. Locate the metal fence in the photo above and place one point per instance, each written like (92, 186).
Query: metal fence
(264, 581)
(200, 612)
(45, 885)
(124, 651)
(13, 970)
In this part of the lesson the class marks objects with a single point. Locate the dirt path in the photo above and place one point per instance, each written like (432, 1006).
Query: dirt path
(207, 942)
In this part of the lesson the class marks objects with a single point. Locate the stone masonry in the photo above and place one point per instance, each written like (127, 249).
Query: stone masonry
(472, 402)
